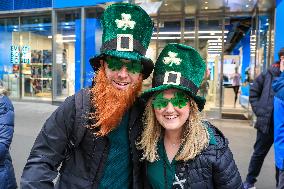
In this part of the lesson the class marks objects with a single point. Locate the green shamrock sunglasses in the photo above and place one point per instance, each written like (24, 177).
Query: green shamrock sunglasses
(116, 64)
(179, 100)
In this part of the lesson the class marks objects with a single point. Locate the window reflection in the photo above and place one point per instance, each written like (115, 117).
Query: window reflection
(67, 53)
(36, 60)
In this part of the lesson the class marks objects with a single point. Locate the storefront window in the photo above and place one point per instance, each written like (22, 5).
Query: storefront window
(252, 70)
(67, 52)
(35, 45)
(169, 32)
(209, 45)
(189, 33)
(10, 56)
(263, 42)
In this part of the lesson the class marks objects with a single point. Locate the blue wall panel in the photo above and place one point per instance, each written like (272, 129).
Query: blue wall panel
(70, 3)
(278, 2)
(5, 52)
(279, 29)
(92, 47)
(245, 43)
(245, 62)
(78, 55)
(6, 5)
(24, 4)
(30, 4)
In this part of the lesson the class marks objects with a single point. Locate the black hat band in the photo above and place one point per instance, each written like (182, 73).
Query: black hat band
(174, 78)
(124, 43)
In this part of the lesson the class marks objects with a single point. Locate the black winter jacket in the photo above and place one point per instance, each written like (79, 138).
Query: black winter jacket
(261, 98)
(7, 175)
(84, 167)
(214, 168)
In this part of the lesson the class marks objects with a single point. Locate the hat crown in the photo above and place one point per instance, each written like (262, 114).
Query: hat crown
(127, 20)
(127, 31)
(182, 62)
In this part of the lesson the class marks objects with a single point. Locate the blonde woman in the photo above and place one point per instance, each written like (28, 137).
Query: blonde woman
(180, 150)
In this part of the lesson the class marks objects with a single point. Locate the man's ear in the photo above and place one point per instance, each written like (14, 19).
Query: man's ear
(102, 62)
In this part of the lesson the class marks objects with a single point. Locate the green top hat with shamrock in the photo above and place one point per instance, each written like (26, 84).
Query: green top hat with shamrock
(127, 31)
(181, 67)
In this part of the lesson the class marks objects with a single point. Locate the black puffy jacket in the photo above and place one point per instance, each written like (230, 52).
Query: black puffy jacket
(84, 167)
(7, 175)
(214, 168)
(261, 98)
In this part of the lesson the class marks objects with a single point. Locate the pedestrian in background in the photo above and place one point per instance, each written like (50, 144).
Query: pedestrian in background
(7, 175)
(92, 134)
(180, 150)
(278, 87)
(236, 82)
(204, 87)
(261, 99)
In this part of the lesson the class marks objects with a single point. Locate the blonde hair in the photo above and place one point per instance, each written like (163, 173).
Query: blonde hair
(194, 139)
(3, 90)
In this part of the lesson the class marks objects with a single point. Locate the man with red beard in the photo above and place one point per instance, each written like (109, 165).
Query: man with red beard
(92, 134)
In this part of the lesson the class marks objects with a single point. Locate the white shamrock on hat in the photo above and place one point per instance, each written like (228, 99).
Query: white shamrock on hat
(125, 22)
(172, 59)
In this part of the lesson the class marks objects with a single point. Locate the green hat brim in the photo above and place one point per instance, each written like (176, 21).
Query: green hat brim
(147, 63)
(200, 101)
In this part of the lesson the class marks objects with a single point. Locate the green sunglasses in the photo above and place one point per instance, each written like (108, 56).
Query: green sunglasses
(116, 64)
(179, 100)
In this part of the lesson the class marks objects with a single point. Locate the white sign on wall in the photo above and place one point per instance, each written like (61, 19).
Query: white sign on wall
(26, 54)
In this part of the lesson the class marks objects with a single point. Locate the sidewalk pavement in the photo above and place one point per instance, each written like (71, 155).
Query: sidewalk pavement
(30, 117)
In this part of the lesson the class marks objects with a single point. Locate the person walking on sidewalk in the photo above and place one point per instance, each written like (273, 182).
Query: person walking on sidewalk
(7, 175)
(261, 100)
(102, 119)
(180, 150)
(278, 87)
(236, 82)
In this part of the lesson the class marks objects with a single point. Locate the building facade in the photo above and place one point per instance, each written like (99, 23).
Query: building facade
(45, 45)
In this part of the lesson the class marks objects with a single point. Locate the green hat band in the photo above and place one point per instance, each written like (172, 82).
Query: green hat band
(124, 42)
(174, 78)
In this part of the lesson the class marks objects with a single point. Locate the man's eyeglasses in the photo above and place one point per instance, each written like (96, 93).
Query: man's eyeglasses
(116, 64)
(179, 100)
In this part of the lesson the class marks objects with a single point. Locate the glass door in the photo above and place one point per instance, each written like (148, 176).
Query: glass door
(209, 44)
(67, 53)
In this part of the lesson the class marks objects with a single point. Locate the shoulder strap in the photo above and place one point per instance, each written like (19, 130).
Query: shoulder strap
(82, 109)
(82, 104)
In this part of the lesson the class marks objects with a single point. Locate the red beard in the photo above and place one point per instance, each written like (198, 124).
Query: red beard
(109, 103)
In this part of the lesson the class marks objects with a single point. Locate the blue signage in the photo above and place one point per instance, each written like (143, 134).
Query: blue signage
(15, 54)
(76, 3)
(24, 4)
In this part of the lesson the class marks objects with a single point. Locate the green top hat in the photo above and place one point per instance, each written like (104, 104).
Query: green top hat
(181, 67)
(127, 31)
